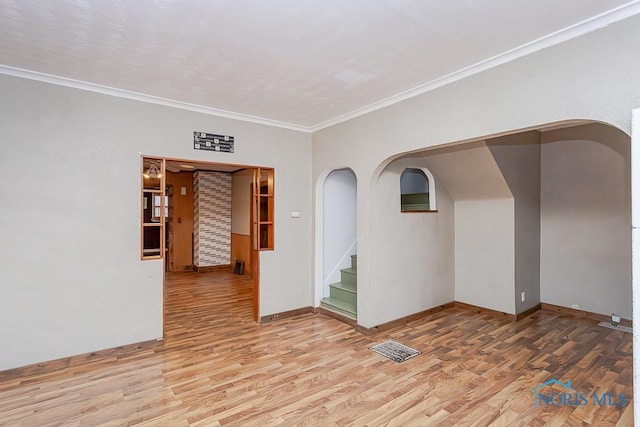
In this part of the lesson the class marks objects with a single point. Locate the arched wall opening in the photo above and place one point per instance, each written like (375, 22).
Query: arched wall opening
(336, 227)
(521, 222)
(417, 190)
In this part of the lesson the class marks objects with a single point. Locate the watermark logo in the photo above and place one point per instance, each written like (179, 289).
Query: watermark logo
(558, 393)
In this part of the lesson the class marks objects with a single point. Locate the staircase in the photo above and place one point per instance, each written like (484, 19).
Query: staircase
(343, 295)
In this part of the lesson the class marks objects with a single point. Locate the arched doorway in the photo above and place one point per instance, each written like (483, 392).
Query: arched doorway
(336, 289)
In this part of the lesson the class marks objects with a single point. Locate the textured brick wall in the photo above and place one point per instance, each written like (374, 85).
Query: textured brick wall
(212, 218)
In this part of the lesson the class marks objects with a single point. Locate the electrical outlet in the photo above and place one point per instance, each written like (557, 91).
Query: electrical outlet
(615, 319)
(522, 296)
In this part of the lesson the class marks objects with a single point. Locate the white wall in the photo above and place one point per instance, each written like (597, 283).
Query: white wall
(413, 265)
(72, 279)
(585, 219)
(485, 253)
(241, 202)
(339, 214)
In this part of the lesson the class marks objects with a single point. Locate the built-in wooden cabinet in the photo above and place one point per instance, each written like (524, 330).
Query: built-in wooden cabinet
(153, 208)
(264, 207)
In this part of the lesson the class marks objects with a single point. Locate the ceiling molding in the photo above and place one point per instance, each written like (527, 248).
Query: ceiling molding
(597, 22)
(136, 96)
(592, 24)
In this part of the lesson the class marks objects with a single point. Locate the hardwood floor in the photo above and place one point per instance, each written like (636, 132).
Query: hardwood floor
(217, 367)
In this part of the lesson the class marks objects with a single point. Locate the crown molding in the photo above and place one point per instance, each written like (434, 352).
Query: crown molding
(581, 28)
(136, 96)
(592, 24)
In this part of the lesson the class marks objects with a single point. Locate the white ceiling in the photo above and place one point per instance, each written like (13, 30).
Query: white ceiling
(302, 64)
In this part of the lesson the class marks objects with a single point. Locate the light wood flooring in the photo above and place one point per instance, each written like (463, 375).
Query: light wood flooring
(217, 367)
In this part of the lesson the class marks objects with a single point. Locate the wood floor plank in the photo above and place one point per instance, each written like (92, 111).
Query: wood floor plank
(216, 367)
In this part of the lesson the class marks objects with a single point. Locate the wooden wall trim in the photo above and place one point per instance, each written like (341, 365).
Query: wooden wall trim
(66, 362)
(149, 346)
(482, 310)
(403, 320)
(285, 314)
(211, 268)
(528, 312)
(583, 314)
(334, 315)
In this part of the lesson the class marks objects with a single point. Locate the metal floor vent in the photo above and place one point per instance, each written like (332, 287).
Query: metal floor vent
(395, 351)
(616, 327)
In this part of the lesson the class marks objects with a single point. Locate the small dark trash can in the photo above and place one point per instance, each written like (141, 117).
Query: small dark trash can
(239, 267)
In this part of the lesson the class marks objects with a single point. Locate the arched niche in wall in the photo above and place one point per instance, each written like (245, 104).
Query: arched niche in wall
(417, 190)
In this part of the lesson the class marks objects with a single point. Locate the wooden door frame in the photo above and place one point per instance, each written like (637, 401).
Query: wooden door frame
(255, 252)
(168, 229)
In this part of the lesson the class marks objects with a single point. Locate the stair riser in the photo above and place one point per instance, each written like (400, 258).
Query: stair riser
(350, 286)
(354, 262)
(349, 278)
(343, 295)
(338, 309)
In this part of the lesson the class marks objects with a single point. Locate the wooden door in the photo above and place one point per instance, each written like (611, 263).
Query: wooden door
(180, 227)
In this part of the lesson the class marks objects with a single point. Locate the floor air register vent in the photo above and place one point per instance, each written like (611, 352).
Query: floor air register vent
(395, 351)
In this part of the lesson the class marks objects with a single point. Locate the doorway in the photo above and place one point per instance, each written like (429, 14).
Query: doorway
(210, 217)
(336, 251)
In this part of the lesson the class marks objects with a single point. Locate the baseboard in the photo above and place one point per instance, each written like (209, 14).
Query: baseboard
(182, 268)
(483, 310)
(67, 362)
(582, 314)
(334, 315)
(528, 312)
(126, 350)
(496, 313)
(211, 268)
(403, 320)
(285, 314)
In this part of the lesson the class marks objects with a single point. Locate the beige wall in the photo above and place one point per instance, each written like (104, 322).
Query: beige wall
(563, 83)
(484, 221)
(72, 278)
(485, 253)
(586, 219)
(98, 294)
(413, 266)
(241, 202)
(518, 157)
